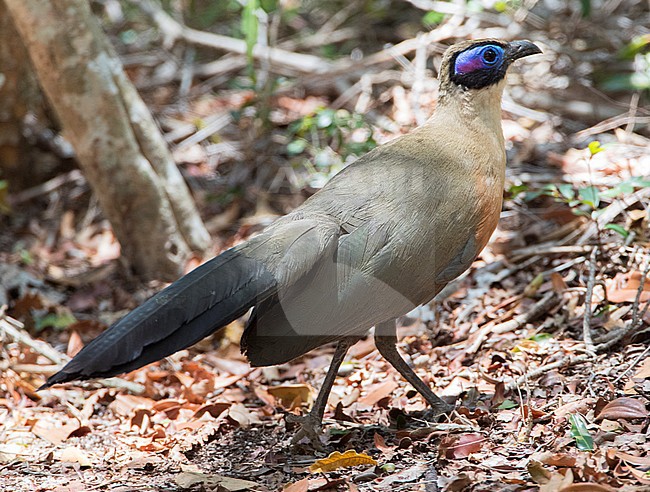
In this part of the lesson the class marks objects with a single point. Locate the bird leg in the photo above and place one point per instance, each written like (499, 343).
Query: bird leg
(386, 342)
(310, 424)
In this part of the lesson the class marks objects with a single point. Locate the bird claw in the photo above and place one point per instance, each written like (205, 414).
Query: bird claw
(310, 427)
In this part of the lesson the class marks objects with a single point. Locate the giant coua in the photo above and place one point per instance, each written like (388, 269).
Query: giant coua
(384, 235)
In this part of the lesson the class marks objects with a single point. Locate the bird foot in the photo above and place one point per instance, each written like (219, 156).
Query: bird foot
(310, 427)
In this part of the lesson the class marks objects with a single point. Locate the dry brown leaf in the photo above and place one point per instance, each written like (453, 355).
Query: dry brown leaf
(630, 458)
(56, 432)
(242, 415)
(538, 472)
(623, 408)
(644, 370)
(557, 481)
(299, 486)
(586, 487)
(580, 406)
(126, 404)
(455, 447)
(562, 460)
(624, 287)
(291, 396)
(74, 344)
(188, 479)
(377, 392)
(380, 444)
(337, 460)
(75, 455)
(214, 409)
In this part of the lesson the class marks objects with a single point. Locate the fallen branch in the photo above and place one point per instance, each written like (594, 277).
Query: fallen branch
(173, 30)
(14, 329)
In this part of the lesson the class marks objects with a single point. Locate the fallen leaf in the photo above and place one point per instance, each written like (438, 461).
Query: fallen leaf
(337, 460)
(379, 391)
(74, 344)
(188, 479)
(455, 447)
(643, 461)
(624, 408)
(299, 486)
(75, 455)
(586, 487)
(291, 396)
(624, 287)
(242, 415)
(405, 476)
(54, 432)
(126, 404)
(380, 444)
(557, 481)
(538, 472)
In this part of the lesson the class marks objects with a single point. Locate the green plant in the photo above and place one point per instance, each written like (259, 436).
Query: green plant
(327, 139)
(588, 201)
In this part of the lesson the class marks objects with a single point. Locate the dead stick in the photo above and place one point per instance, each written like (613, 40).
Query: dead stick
(15, 330)
(586, 322)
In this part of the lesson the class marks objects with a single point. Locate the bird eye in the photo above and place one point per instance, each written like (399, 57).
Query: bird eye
(490, 56)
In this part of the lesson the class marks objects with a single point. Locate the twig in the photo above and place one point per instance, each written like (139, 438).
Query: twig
(611, 212)
(639, 292)
(586, 322)
(545, 249)
(47, 187)
(632, 364)
(173, 31)
(549, 301)
(603, 347)
(15, 330)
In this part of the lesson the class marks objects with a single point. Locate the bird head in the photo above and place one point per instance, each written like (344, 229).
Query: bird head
(480, 64)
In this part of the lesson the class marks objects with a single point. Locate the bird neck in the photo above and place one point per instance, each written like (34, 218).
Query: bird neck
(479, 110)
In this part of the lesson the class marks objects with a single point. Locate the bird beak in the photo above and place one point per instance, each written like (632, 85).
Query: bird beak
(519, 49)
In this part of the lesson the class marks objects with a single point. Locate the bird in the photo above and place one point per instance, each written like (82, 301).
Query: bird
(382, 237)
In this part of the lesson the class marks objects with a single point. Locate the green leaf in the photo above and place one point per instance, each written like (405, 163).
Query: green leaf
(624, 188)
(515, 190)
(580, 433)
(55, 320)
(297, 146)
(634, 47)
(589, 196)
(541, 337)
(325, 118)
(249, 27)
(432, 18)
(567, 191)
(26, 257)
(507, 405)
(619, 229)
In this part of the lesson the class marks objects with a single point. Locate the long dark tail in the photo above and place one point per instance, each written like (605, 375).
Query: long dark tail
(190, 309)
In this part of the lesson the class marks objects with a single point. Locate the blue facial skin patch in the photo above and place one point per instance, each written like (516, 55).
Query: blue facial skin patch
(479, 58)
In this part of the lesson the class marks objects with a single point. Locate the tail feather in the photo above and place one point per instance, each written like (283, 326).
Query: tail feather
(190, 309)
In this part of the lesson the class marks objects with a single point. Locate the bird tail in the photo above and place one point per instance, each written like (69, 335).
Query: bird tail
(190, 309)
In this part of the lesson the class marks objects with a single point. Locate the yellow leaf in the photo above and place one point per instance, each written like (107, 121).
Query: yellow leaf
(337, 460)
(594, 147)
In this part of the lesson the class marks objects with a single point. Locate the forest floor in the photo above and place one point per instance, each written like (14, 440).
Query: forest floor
(543, 345)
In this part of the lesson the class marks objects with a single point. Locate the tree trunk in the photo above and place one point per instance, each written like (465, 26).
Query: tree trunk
(117, 143)
(19, 95)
